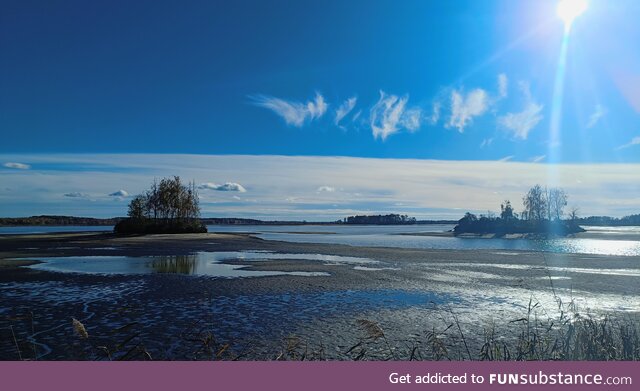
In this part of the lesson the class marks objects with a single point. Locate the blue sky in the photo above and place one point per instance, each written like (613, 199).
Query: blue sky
(474, 81)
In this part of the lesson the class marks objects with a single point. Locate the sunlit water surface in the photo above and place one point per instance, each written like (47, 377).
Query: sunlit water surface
(199, 264)
(399, 236)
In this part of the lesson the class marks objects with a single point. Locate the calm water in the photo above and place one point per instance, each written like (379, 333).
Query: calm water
(199, 264)
(388, 236)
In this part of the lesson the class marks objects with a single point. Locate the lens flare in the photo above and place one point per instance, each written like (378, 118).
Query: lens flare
(569, 10)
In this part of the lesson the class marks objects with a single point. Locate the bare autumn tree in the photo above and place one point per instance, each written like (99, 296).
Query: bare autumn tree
(542, 203)
(168, 205)
(573, 214)
(556, 201)
(535, 203)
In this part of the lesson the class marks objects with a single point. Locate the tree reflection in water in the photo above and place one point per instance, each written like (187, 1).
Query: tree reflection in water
(180, 264)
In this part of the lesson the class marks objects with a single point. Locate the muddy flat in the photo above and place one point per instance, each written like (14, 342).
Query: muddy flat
(167, 295)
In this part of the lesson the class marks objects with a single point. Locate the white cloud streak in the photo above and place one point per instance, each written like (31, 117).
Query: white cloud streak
(634, 141)
(229, 186)
(326, 189)
(17, 166)
(521, 123)
(486, 142)
(345, 108)
(435, 113)
(390, 115)
(411, 119)
(599, 112)
(465, 107)
(503, 86)
(538, 159)
(294, 113)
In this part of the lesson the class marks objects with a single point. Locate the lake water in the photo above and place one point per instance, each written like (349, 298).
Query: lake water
(209, 264)
(390, 236)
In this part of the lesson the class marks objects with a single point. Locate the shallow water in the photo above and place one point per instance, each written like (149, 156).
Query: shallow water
(477, 293)
(397, 236)
(390, 236)
(199, 264)
(569, 245)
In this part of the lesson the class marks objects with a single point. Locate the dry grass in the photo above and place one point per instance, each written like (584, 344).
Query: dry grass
(79, 328)
(570, 334)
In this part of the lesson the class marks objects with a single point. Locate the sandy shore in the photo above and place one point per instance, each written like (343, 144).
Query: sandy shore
(405, 291)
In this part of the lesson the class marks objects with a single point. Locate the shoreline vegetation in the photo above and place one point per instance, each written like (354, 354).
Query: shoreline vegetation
(572, 335)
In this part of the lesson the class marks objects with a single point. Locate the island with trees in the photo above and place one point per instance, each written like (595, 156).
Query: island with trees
(390, 219)
(169, 206)
(542, 217)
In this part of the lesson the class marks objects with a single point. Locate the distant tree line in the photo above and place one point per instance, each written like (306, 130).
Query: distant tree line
(169, 206)
(57, 220)
(611, 221)
(542, 214)
(242, 221)
(390, 219)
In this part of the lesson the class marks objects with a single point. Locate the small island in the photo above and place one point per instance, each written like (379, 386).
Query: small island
(541, 217)
(168, 207)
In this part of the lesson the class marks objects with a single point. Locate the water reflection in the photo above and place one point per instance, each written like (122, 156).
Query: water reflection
(176, 264)
(213, 264)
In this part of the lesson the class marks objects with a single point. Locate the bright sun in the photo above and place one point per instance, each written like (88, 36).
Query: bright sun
(568, 10)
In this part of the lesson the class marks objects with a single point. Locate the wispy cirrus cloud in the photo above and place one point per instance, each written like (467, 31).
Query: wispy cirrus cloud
(229, 186)
(345, 108)
(435, 113)
(465, 107)
(599, 112)
(411, 119)
(503, 85)
(538, 159)
(486, 142)
(634, 141)
(390, 115)
(17, 166)
(519, 124)
(294, 113)
(506, 158)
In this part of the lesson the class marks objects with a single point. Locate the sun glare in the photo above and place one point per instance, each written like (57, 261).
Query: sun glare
(568, 10)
